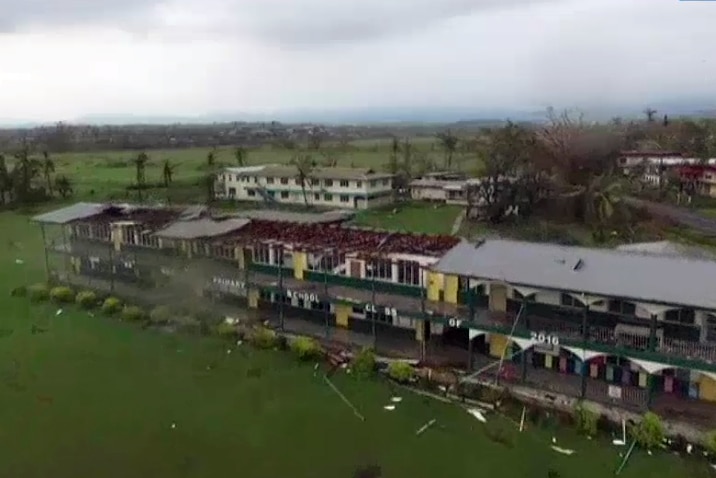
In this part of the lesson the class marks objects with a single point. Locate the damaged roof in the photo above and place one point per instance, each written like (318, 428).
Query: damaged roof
(202, 227)
(75, 212)
(604, 272)
(296, 217)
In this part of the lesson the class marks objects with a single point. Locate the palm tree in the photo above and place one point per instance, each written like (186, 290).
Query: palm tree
(167, 172)
(140, 164)
(63, 186)
(448, 142)
(304, 166)
(48, 168)
(25, 170)
(211, 159)
(240, 154)
(602, 196)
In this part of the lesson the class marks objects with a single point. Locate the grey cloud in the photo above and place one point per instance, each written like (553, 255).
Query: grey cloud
(18, 14)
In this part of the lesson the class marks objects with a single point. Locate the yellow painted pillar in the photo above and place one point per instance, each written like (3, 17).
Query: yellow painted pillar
(342, 314)
(300, 264)
(75, 261)
(707, 388)
(451, 286)
(435, 285)
(253, 298)
(498, 344)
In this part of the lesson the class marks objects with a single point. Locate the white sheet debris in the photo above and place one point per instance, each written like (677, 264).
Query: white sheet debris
(554, 439)
(477, 414)
(396, 399)
(239, 342)
(228, 351)
(59, 311)
(19, 261)
(689, 448)
(563, 451)
(174, 425)
(390, 408)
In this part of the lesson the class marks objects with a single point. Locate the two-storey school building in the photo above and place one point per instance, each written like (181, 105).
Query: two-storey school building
(614, 326)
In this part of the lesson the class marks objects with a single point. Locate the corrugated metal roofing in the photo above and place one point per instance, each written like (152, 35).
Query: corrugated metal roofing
(604, 272)
(80, 210)
(204, 227)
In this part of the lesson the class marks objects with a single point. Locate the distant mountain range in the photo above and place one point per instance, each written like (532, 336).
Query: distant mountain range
(405, 115)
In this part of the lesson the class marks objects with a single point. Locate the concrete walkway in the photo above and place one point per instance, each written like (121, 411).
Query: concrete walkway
(458, 222)
(685, 217)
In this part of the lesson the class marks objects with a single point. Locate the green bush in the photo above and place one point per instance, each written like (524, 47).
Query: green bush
(160, 315)
(710, 442)
(585, 420)
(39, 292)
(401, 371)
(86, 299)
(62, 295)
(111, 305)
(306, 348)
(187, 324)
(224, 329)
(263, 338)
(649, 432)
(20, 291)
(132, 313)
(364, 363)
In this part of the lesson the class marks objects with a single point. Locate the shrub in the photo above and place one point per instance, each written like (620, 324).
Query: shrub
(86, 299)
(491, 394)
(710, 442)
(20, 291)
(111, 305)
(132, 313)
(160, 315)
(39, 292)
(364, 363)
(649, 432)
(306, 348)
(187, 324)
(62, 295)
(401, 371)
(225, 329)
(586, 420)
(263, 338)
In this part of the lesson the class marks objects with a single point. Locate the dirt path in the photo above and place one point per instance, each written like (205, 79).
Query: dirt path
(685, 217)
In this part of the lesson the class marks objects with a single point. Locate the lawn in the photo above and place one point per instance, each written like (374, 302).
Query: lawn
(108, 173)
(415, 217)
(95, 397)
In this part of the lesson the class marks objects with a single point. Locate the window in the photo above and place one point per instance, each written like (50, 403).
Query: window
(373, 183)
(317, 197)
(251, 193)
(344, 183)
(409, 272)
(345, 198)
(262, 254)
(569, 301)
(225, 252)
(284, 194)
(382, 268)
(82, 230)
(148, 240)
(359, 184)
(680, 316)
(331, 262)
(101, 231)
(256, 179)
(129, 236)
(386, 182)
(269, 180)
(314, 182)
(329, 183)
(622, 307)
(517, 295)
(328, 197)
(711, 327)
(284, 180)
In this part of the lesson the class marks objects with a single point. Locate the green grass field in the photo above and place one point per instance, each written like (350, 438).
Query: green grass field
(414, 217)
(95, 397)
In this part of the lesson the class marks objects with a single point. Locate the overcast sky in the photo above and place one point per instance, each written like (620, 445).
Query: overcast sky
(63, 59)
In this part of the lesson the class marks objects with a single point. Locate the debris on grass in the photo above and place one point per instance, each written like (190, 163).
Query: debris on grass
(19, 261)
(396, 399)
(427, 425)
(59, 311)
(477, 414)
(174, 425)
(390, 408)
(563, 451)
